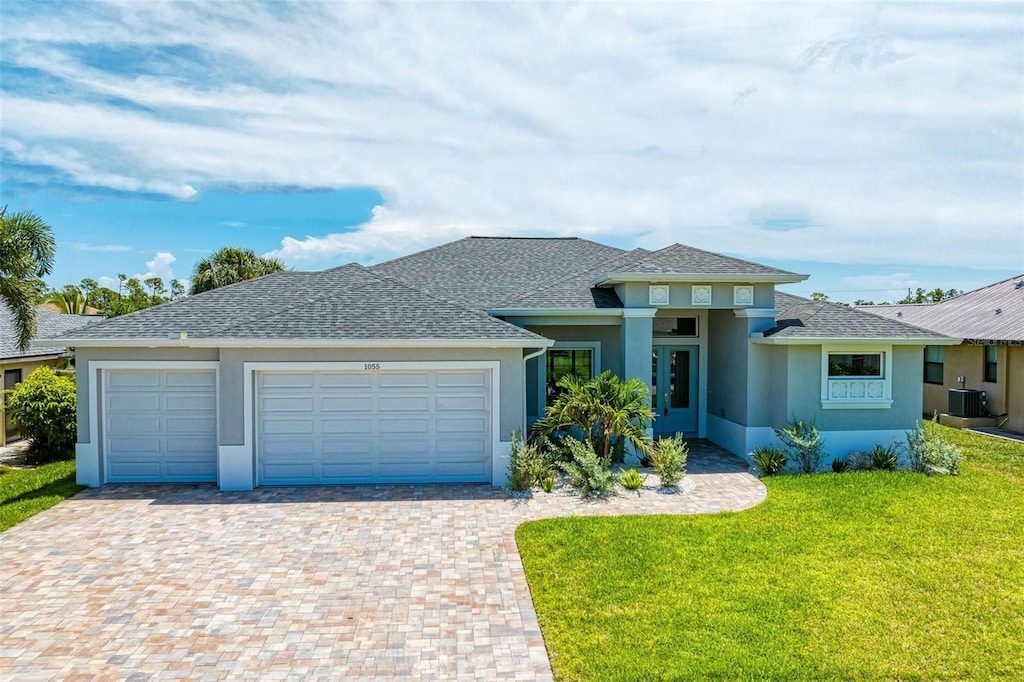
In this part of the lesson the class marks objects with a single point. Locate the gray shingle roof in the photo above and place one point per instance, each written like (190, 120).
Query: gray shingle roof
(577, 290)
(970, 316)
(49, 324)
(487, 272)
(349, 302)
(685, 260)
(803, 318)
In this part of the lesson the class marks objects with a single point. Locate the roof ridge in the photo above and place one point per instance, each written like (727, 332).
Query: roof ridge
(279, 311)
(419, 253)
(722, 255)
(534, 292)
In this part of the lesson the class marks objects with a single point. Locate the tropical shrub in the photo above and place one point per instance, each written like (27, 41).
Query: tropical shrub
(804, 443)
(632, 479)
(528, 465)
(605, 407)
(769, 459)
(587, 471)
(839, 465)
(43, 405)
(885, 457)
(916, 447)
(929, 451)
(668, 457)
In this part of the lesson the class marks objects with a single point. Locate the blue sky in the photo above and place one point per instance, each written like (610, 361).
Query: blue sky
(873, 146)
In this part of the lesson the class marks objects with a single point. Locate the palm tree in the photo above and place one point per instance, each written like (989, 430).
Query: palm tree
(27, 248)
(70, 301)
(230, 265)
(605, 404)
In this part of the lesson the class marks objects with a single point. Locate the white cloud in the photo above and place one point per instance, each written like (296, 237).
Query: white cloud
(102, 248)
(160, 267)
(897, 128)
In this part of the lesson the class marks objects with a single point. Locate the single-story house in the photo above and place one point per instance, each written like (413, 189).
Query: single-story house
(990, 321)
(420, 368)
(16, 364)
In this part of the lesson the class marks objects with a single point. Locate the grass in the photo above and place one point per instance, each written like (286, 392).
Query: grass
(26, 492)
(853, 576)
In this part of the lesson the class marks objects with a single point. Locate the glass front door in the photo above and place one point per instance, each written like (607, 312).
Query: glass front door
(674, 389)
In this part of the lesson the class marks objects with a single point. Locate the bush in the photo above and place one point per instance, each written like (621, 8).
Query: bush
(883, 457)
(928, 452)
(632, 479)
(44, 406)
(860, 461)
(943, 456)
(528, 466)
(769, 459)
(587, 471)
(804, 443)
(839, 465)
(668, 457)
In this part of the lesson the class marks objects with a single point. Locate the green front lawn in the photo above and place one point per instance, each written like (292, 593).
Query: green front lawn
(26, 492)
(854, 576)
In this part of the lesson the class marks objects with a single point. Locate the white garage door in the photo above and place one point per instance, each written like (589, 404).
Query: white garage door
(374, 427)
(160, 425)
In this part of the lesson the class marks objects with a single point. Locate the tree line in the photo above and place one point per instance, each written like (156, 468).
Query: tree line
(27, 252)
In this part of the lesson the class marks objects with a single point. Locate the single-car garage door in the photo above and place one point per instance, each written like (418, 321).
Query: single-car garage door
(386, 426)
(160, 425)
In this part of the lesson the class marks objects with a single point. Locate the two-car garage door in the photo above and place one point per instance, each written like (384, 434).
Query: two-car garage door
(391, 426)
(377, 426)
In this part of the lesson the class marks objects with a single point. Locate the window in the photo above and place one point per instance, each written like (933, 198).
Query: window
(854, 365)
(564, 361)
(856, 378)
(991, 363)
(934, 356)
(675, 326)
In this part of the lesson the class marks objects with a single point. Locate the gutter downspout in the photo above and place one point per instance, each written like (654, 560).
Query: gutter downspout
(527, 358)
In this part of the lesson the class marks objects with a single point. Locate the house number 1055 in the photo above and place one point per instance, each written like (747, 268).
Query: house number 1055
(371, 365)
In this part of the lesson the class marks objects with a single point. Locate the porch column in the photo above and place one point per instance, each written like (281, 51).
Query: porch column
(637, 332)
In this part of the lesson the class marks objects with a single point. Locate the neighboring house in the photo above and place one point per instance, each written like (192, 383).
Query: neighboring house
(990, 321)
(420, 368)
(16, 364)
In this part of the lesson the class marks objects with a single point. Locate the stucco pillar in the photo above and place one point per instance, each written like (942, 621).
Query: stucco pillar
(637, 333)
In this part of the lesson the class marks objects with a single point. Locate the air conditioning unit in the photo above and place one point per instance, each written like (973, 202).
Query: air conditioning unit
(966, 402)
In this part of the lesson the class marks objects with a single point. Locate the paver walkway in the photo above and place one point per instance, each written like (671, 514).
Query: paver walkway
(186, 582)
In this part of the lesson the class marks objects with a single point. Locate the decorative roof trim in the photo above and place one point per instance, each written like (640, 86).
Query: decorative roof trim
(303, 343)
(757, 337)
(742, 278)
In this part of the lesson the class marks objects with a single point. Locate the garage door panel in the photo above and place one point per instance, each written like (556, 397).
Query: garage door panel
(468, 424)
(133, 402)
(199, 425)
(183, 469)
(190, 402)
(348, 426)
(403, 403)
(475, 379)
(181, 445)
(356, 403)
(133, 446)
(408, 426)
(346, 381)
(118, 426)
(383, 426)
(136, 470)
(133, 379)
(189, 379)
(287, 380)
(404, 380)
(287, 403)
(447, 403)
(281, 426)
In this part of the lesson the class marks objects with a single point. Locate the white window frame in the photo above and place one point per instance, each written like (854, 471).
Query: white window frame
(862, 385)
(542, 367)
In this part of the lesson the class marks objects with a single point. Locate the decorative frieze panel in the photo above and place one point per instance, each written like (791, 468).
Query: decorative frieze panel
(856, 389)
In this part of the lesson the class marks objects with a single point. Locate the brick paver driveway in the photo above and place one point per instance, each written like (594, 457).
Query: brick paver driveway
(343, 582)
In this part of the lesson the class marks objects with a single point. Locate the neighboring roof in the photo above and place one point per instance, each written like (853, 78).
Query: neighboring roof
(800, 318)
(345, 303)
(485, 273)
(970, 316)
(49, 324)
(686, 262)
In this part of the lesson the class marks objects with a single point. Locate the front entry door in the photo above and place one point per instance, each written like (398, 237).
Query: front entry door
(12, 377)
(674, 389)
